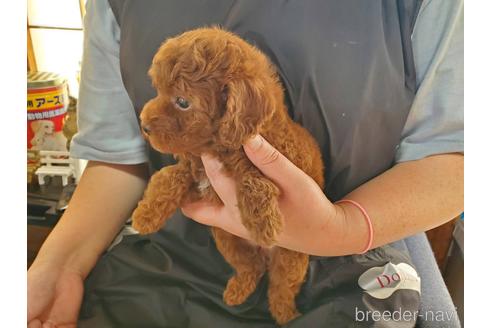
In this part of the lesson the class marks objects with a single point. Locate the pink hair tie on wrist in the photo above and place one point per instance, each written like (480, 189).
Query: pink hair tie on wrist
(368, 220)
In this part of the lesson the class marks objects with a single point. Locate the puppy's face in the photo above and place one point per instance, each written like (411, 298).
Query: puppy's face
(213, 89)
(43, 126)
(48, 127)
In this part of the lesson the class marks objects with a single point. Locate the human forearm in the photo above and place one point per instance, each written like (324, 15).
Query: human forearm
(411, 197)
(103, 200)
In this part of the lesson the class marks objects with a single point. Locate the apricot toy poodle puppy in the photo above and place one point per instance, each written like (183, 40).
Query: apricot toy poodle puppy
(214, 92)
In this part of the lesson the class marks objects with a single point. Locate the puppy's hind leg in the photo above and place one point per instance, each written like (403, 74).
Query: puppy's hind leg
(248, 261)
(287, 271)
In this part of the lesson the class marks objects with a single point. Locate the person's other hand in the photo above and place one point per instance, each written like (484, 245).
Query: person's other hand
(312, 224)
(54, 296)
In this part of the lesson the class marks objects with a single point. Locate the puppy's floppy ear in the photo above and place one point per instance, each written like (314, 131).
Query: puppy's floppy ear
(248, 105)
(35, 126)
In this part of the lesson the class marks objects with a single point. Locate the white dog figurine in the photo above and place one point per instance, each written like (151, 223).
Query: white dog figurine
(45, 137)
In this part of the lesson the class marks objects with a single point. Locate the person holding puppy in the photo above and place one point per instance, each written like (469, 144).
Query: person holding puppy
(384, 102)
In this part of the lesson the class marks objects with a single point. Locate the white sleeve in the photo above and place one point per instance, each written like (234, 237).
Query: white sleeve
(108, 128)
(435, 121)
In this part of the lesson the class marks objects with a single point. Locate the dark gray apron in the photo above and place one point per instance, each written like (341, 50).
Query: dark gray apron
(349, 78)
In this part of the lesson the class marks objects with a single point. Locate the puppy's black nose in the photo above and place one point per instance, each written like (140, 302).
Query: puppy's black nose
(146, 129)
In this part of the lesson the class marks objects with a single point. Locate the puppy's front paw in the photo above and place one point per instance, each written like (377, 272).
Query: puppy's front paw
(263, 220)
(146, 220)
(260, 214)
(264, 229)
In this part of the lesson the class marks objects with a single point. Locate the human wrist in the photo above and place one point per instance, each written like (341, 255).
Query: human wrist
(355, 235)
(75, 258)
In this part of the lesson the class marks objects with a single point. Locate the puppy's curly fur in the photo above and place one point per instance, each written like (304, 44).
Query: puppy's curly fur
(214, 91)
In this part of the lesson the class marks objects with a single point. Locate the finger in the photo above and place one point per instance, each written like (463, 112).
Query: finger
(48, 324)
(65, 309)
(37, 301)
(202, 212)
(224, 186)
(68, 325)
(273, 164)
(36, 323)
(33, 310)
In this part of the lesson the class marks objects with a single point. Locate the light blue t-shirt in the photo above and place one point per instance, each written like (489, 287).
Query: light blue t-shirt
(109, 131)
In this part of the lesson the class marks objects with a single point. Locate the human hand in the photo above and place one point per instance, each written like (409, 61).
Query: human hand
(54, 296)
(312, 224)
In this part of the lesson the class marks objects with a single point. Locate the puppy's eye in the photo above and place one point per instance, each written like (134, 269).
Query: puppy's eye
(182, 103)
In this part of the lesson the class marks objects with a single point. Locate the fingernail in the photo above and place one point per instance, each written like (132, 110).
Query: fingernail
(254, 143)
(48, 325)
